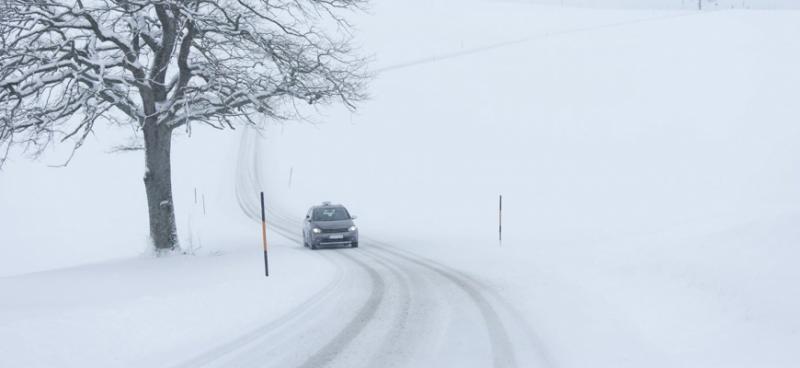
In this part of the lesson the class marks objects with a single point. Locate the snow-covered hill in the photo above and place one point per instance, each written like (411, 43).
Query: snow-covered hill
(647, 159)
(669, 4)
(649, 171)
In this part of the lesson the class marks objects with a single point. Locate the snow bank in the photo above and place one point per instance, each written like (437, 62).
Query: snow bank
(148, 311)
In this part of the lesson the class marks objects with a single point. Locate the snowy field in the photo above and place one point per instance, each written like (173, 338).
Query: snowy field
(668, 4)
(648, 161)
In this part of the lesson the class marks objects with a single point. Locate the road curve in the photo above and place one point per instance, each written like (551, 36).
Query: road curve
(385, 307)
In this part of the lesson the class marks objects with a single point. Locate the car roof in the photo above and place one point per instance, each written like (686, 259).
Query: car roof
(327, 205)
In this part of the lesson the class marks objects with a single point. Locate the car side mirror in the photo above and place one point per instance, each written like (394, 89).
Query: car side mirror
(353, 217)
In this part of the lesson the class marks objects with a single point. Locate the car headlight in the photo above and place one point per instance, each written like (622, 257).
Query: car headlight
(352, 228)
(316, 230)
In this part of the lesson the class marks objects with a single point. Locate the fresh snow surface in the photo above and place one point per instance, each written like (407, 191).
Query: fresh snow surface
(669, 4)
(648, 161)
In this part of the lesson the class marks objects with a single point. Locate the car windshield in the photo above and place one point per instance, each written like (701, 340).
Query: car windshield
(330, 214)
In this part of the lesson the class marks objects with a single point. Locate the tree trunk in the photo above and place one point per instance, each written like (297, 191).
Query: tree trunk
(158, 184)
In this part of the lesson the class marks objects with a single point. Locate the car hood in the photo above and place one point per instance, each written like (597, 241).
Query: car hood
(333, 224)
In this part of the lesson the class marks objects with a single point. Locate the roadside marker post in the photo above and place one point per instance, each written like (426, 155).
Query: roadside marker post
(264, 235)
(500, 220)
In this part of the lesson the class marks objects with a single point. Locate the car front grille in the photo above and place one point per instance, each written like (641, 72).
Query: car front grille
(329, 231)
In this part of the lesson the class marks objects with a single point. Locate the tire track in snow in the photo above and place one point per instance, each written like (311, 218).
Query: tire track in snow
(327, 353)
(399, 267)
(400, 323)
(501, 348)
(249, 175)
(364, 317)
(502, 351)
(485, 296)
(308, 307)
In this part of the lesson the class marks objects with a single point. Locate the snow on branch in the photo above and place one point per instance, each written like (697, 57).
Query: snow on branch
(66, 65)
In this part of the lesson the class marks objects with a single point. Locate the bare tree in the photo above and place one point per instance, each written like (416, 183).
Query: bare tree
(161, 64)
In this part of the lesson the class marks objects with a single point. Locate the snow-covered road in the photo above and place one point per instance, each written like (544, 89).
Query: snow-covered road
(384, 307)
(387, 308)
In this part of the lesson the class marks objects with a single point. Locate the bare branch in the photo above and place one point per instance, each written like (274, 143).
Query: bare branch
(67, 65)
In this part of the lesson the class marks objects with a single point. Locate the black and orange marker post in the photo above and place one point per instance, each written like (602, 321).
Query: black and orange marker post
(264, 235)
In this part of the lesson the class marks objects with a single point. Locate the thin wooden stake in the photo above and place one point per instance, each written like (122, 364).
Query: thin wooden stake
(500, 220)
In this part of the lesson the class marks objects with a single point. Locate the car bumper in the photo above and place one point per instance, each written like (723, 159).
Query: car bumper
(335, 239)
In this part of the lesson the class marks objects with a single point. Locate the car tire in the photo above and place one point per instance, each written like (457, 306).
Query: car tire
(305, 243)
(354, 244)
(314, 246)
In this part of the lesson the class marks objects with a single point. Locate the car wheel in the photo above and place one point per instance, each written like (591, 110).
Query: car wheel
(305, 243)
(354, 244)
(314, 246)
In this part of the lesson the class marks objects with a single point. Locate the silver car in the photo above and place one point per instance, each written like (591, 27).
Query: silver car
(329, 225)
